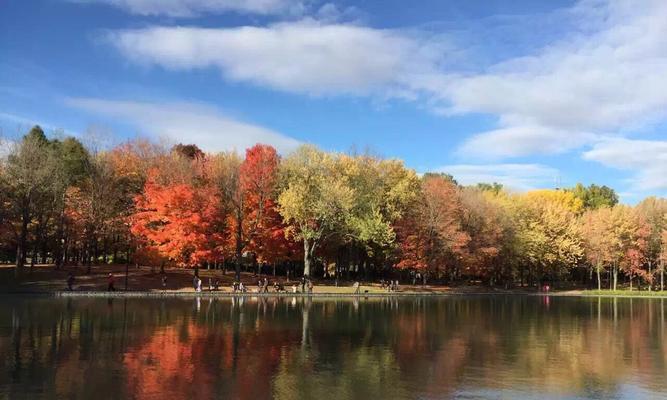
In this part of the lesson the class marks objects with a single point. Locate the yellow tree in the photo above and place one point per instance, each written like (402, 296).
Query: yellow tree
(548, 236)
(316, 199)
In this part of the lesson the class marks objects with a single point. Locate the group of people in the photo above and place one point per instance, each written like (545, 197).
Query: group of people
(263, 286)
(239, 287)
(197, 283)
(390, 286)
(418, 278)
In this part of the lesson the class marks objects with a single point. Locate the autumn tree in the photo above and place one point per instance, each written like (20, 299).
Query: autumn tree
(485, 223)
(431, 236)
(597, 240)
(653, 210)
(548, 236)
(175, 219)
(383, 191)
(315, 199)
(247, 198)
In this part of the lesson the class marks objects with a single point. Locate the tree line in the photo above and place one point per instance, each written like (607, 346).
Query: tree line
(316, 213)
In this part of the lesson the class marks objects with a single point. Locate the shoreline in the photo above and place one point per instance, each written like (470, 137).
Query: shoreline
(222, 294)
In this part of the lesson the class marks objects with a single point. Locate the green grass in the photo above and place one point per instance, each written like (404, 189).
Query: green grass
(625, 292)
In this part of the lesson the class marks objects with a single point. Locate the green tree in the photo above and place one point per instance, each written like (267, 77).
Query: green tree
(595, 196)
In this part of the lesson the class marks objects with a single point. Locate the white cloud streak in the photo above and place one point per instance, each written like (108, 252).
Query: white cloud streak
(519, 177)
(193, 8)
(646, 158)
(187, 123)
(302, 57)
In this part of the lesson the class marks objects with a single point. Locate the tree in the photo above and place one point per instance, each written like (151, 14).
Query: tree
(653, 210)
(190, 151)
(663, 257)
(490, 187)
(431, 235)
(595, 196)
(484, 222)
(76, 164)
(616, 237)
(315, 200)
(384, 190)
(548, 235)
(247, 199)
(31, 172)
(175, 219)
(597, 240)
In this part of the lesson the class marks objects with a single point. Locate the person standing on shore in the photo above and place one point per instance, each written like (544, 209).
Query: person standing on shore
(110, 281)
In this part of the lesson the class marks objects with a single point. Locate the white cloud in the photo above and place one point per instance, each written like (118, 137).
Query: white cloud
(515, 141)
(187, 123)
(605, 77)
(192, 8)
(607, 81)
(513, 176)
(304, 57)
(647, 158)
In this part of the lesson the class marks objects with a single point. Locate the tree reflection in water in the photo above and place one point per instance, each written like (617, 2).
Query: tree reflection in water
(385, 348)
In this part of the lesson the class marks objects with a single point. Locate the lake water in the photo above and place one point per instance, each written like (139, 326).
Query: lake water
(486, 347)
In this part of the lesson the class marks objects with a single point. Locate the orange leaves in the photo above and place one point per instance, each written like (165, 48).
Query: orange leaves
(430, 235)
(175, 220)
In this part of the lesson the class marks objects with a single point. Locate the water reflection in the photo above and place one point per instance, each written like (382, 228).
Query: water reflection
(286, 348)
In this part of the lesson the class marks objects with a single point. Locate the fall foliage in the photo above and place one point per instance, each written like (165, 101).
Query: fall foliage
(316, 213)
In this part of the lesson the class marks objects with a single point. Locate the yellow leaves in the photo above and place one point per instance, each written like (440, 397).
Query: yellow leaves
(563, 198)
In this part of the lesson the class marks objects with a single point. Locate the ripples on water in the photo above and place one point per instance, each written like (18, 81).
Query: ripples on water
(288, 348)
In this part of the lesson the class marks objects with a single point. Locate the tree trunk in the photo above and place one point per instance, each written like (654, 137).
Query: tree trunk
(615, 276)
(662, 275)
(239, 246)
(599, 279)
(23, 239)
(306, 257)
(650, 276)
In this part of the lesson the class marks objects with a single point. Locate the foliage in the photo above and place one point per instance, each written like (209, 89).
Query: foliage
(343, 214)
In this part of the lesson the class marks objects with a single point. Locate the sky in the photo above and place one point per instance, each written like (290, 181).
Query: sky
(530, 94)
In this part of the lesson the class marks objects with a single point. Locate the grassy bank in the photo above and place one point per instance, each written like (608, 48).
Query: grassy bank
(147, 281)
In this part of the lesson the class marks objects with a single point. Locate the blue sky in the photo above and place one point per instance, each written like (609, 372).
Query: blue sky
(527, 93)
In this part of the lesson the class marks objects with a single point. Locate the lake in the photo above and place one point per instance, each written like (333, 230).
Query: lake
(466, 347)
